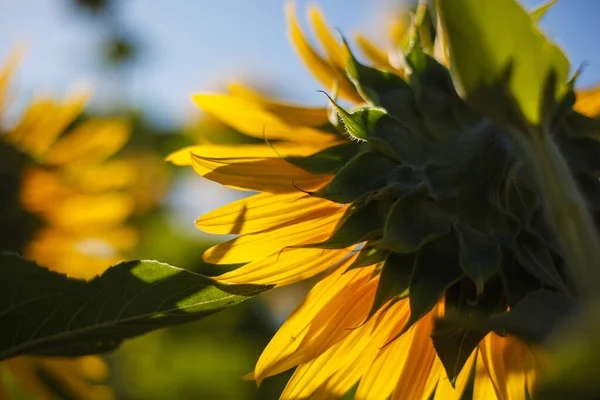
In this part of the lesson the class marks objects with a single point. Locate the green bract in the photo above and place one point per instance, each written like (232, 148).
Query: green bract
(440, 194)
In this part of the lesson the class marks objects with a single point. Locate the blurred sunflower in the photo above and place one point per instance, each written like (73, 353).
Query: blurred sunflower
(66, 204)
(384, 201)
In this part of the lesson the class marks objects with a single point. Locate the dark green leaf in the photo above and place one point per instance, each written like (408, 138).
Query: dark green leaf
(479, 254)
(533, 254)
(326, 161)
(393, 280)
(491, 56)
(534, 317)
(364, 173)
(414, 221)
(44, 312)
(520, 200)
(436, 269)
(383, 89)
(368, 256)
(454, 343)
(362, 222)
(359, 123)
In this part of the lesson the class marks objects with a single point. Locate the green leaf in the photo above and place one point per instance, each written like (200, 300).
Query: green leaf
(393, 280)
(534, 317)
(454, 344)
(500, 67)
(363, 174)
(360, 223)
(44, 312)
(436, 269)
(414, 221)
(520, 201)
(327, 161)
(383, 89)
(368, 256)
(479, 254)
(540, 11)
(533, 254)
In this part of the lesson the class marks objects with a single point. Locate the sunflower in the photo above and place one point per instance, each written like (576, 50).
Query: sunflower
(410, 206)
(66, 207)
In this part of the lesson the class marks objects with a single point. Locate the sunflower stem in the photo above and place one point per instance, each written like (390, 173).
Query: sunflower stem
(566, 211)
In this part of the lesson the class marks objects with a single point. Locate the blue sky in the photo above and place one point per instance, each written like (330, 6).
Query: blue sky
(191, 46)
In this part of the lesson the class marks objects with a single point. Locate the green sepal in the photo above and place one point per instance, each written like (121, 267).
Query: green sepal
(454, 343)
(534, 317)
(359, 123)
(368, 256)
(414, 221)
(385, 133)
(365, 173)
(383, 89)
(436, 270)
(46, 313)
(479, 254)
(328, 161)
(394, 280)
(519, 200)
(361, 222)
(534, 256)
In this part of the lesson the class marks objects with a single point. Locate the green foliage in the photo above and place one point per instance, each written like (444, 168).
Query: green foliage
(394, 280)
(510, 72)
(44, 312)
(363, 174)
(479, 254)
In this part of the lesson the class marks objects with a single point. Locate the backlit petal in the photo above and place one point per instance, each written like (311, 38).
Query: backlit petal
(92, 141)
(331, 45)
(250, 247)
(274, 175)
(588, 102)
(261, 211)
(250, 118)
(326, 73)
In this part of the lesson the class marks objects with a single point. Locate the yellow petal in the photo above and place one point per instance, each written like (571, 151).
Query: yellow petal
(24, 370)
(383, 372)
(483, 388)
(262, 150)
(417, 365)
(440, 47)
(588, 102)
(6, 73)
(310, 376)
(304, 332)
(91, 141)
(43, 122)
(326, 73)
(261, 211)
(67, 374)
(444, 390)
(290, 266)
(250, 247)
(80, 254)
(106, 176)
(274, 175)
(376, 55)
(90, 211)
(292, 114)
(251, 118)
(491, 350)
(333, 49)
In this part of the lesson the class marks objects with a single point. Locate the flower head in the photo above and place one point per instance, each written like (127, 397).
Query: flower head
(413, 206)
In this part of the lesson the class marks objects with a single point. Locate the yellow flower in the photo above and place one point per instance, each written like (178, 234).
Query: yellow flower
(353, 199)
(66, 203)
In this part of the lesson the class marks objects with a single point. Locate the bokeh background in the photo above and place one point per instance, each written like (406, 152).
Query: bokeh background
(143, 60)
